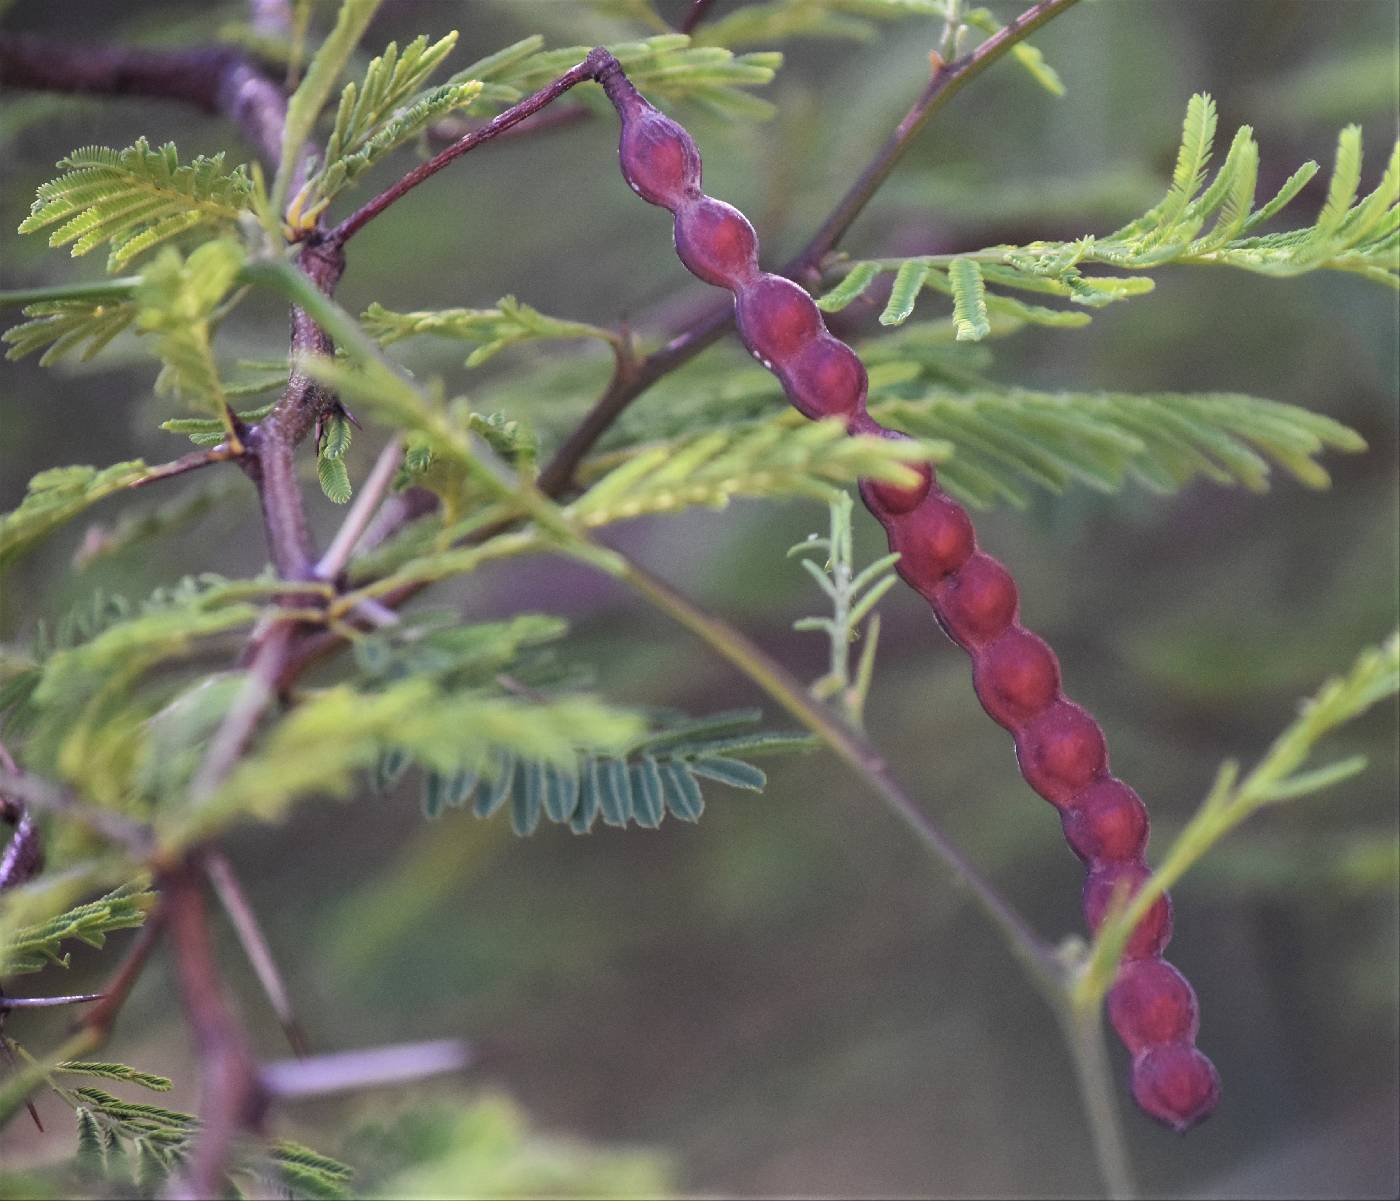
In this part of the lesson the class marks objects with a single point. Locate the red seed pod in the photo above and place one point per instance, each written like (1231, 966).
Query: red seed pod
(1061, 751)
(776, 319)
(1176, 1084)
(659, 159)
(1015, 676)
(891, 498)
(1059, 746)
(978, 601)
(1153, 932)
(716, 242)
(825, 379)
(1151, 1004)
(1106, 821)
(933, 540)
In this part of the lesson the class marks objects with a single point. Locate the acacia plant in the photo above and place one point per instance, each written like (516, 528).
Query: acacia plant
(127, 755)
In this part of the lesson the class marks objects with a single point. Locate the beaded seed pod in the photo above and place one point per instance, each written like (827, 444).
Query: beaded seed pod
(1059, 747)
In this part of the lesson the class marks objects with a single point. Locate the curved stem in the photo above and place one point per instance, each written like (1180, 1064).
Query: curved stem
(1083, 1033)
(512, 116)
(858, 754)
(948, 79)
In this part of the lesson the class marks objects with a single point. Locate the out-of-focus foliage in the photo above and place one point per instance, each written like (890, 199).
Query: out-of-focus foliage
(485, 1147)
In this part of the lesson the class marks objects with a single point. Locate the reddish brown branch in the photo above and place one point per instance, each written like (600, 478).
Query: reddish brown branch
(216, 79)
(255, 946)
(587, 69)
(193, 461)
(232, 1099)
(694, 15)
(100, 1019)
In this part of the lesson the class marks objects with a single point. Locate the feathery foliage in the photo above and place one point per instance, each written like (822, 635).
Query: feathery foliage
(331, 471)
(60, 327)
(1278, 777)
(57, 495)
(491, 330)
(997, 440)
(135, 199)
(332, 734)
(774, 20)
(765, 460)
(305, 104)
(31, 948)
(115, 1071)
(177, 299)
(853, 594)
(1004, 439)
(384, 111)
(655, 774)
(1361, 236)
(666, 67)
(142, 1145)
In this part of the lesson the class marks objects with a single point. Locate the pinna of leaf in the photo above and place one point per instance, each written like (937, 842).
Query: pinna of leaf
(1059, 747)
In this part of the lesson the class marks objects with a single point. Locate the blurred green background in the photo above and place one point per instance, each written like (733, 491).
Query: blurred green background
(791, 998)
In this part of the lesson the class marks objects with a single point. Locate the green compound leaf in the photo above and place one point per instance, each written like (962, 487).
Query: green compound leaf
(666, 68)
(713, 468)
(58, 495)
(969, 300)
(334, 480)
(33, 947)
(135, 199)
(1193, 223)
(62, 327)
(115, 1071)
(379, 114)
(176, 300)
(492, 330)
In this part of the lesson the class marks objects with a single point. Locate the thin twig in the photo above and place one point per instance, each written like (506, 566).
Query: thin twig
(948, 79)
(241, 720)
(232, 1097)
(352, 224)
(357, 520)
(1083, 1034)
(450, 129)
(222, 453)
(255, 946)
(858, 754)
(97, 1023)
(217, 79)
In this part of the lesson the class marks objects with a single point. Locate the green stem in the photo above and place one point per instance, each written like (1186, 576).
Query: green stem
(101, 289)
(863, 759)
(1082, 1026)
